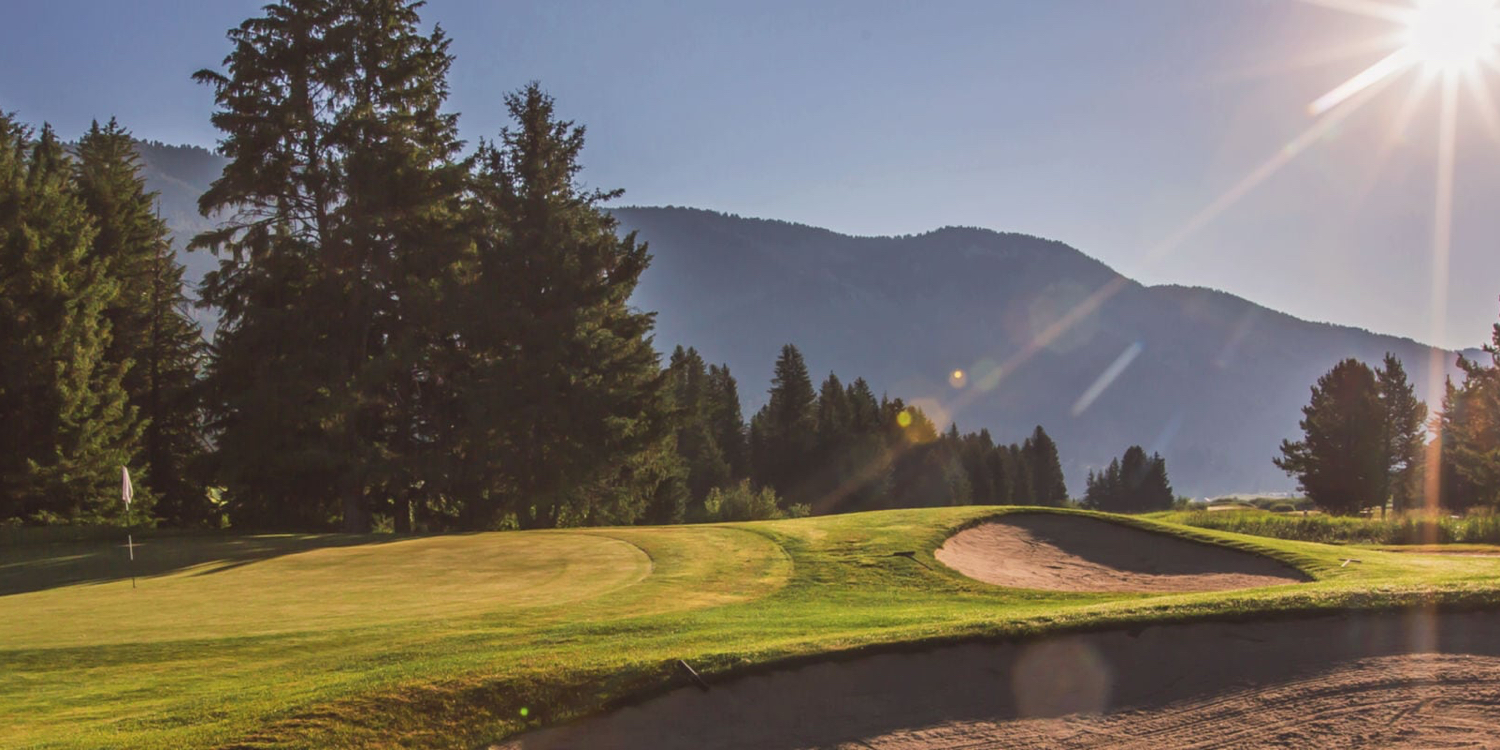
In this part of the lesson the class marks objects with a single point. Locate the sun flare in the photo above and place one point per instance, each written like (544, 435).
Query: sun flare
(1451, 35)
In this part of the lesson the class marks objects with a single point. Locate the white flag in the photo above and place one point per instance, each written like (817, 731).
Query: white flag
(126, 493)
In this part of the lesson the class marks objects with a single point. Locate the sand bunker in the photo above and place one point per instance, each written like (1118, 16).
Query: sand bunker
(1395, 680)
(1075, 553)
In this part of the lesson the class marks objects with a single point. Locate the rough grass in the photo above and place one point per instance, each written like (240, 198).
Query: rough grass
(327, 641)
(1395, 529)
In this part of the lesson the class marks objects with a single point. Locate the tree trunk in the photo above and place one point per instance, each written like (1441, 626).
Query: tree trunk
(356, 520)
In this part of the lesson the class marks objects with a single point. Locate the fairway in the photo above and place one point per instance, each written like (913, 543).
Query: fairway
(310, 641)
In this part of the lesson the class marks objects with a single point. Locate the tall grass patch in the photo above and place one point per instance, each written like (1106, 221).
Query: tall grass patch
(1406, 528)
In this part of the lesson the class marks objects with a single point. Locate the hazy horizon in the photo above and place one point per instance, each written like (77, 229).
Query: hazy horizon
(1117, 130)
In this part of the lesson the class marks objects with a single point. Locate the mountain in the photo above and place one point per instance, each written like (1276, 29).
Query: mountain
(1042, 333)
(1212, 381)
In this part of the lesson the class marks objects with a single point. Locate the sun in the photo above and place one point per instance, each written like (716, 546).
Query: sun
(1451, 35)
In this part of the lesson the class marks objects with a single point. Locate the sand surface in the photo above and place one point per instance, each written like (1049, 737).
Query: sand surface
(1074, 553)
(1416, 680)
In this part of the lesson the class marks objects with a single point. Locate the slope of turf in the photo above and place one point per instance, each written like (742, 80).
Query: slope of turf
(440, 641)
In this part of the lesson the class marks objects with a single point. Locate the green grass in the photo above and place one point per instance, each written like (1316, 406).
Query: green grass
(1395, 529)
(328, 641)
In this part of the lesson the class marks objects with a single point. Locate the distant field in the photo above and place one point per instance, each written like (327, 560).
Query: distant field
(315, 641)
(1315, 527)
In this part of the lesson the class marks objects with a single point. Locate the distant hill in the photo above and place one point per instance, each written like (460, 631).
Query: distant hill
(1212, 381)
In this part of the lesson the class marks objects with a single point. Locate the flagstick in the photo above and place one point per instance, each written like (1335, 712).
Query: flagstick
(127, 493)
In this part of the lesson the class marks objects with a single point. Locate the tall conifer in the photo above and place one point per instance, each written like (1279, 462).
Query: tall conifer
(65, 423)
(151, 331)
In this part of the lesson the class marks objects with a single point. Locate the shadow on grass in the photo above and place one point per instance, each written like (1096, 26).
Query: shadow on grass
(38, 567)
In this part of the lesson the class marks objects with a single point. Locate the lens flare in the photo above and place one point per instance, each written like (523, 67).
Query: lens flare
(1452, 35)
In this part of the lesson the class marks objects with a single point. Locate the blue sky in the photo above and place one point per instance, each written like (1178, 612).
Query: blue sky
(1108, 125)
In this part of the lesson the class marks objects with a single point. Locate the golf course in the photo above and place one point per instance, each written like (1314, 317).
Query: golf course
(466, 640)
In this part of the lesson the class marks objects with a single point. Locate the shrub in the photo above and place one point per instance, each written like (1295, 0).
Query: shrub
(741, 502)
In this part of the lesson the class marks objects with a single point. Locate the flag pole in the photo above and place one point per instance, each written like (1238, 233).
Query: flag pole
(127, 493)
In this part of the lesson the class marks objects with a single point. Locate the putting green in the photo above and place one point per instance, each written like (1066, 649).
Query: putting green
(269, 585)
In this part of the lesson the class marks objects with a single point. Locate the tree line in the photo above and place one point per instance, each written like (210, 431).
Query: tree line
(1368, 441)
(837, 448)
(100, 359)
(409, 330)
(1133, 483)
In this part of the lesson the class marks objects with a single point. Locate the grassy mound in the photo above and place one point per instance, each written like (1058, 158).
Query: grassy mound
(314, 641)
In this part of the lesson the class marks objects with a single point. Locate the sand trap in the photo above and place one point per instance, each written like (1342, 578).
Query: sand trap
(1075, 553)
(1394, 680)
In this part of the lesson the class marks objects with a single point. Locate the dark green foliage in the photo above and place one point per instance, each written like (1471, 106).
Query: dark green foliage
(842, 450)
(152, 335)
(66, 425)
(1469, 431)
(1044, 470)
(785, 431)
(1342, 461)
(1405, 433)
(339, 192)
(1133, 483)
(404, 331)
(726, 421)
(742, 502)
(697, 440)
(562, 385)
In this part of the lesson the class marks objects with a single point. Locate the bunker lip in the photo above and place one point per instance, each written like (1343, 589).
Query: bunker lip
(1077, 553)
(1413, 679)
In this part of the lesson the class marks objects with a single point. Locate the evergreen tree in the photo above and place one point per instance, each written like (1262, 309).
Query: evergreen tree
(998, 465)
(1047, 484)
(1133, 483)
(1405, 432)
(151, 332)
(340, 184)
(65, 423)
(696, 441)
(975, 451)
(1469, 427)
(868, 480)
(1156, 490)
(786, 429)
(569, 388)
(1341, 462)
(727, 421)
(1020, 467)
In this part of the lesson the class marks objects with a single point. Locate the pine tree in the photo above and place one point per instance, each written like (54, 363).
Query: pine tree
(340, 186)
(1341, 462)
(727, 421)
(1022, 492)
(1469, 427)
(695, 438)
(975, 452)
(1156, 490)
(1405, 432)
(869, 476)
(151, 332)
(1047, 484)
(786, 429)
(1001, 473)
(65, 423)
(568, 387)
